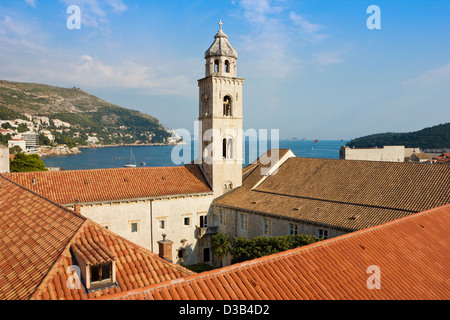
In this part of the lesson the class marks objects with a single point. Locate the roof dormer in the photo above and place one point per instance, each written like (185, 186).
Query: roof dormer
(96, 262)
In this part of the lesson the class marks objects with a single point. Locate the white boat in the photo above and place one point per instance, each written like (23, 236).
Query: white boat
(132, 163)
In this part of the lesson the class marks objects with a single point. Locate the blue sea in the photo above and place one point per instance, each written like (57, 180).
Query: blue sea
(161, 156)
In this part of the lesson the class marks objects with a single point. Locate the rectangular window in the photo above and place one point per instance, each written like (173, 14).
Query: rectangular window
(101, 273)
(267, 227)
(322, 234)
(293, 229)
(180, 254)
(187, 221)
(243, 221)
(134, 227)
(203, 221)
(221, 218)
(162, 224)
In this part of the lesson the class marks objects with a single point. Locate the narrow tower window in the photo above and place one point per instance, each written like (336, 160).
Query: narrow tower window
(227, 66)
(227, 106)
(227, 148)
(216, 66)
(230, 149)
(224, 148)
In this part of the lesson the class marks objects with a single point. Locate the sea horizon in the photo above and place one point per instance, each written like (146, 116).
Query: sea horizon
(161, 155)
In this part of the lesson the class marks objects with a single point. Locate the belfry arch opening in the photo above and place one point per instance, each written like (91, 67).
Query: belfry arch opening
(227, 148)
(227, 106)
(227, 66)
(216, 66)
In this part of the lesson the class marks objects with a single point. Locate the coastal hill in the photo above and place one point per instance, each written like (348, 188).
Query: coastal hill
(436, 137)
(86, 114)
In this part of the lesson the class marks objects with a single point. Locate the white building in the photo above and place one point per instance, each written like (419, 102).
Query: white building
(58, 123)
(31, 139)
(4, 159)
(48, 134)
(17, 142)
(92, 140)
(387, 153)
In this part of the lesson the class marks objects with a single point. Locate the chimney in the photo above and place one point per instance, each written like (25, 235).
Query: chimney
(77, 207)
(165, 248)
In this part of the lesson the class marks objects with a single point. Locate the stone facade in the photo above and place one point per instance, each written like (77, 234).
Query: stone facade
(248, 224)
(220, 117)
(144, 222)
(4, 159)
(387, 153)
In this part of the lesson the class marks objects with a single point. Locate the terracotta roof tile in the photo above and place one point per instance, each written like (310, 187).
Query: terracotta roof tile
(348, 194)
(38, 240)
(66, 187)
(411, 253)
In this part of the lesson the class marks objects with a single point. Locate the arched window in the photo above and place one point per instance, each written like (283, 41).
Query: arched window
(216, 66)
(227, 148)
(227, 106)
(224, 148)
(230, 148)
(227, 66)
(227, 186)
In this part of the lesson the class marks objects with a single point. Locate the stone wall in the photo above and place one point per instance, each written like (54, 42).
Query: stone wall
(4, 159)
(387, 153)
(147, 214)
(254, 226)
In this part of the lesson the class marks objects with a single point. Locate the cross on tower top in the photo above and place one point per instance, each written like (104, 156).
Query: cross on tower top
(220, 24)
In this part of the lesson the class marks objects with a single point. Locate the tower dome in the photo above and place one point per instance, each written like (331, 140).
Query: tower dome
(221, 46)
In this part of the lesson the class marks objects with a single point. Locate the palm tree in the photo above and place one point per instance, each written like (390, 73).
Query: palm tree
(220, 246)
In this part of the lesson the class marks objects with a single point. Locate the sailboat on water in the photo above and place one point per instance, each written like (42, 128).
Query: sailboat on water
(132, 163)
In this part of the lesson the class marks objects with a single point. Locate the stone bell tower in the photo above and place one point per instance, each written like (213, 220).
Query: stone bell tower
(220, 117)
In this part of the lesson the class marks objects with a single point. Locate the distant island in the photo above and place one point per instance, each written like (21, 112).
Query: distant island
(294, 138)
(436, 137)
(72, 118)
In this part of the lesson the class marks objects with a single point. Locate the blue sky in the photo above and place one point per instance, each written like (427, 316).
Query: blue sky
(313, 69)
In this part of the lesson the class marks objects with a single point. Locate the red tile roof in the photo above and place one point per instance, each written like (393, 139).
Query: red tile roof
(65, 187)
(332, 192)
(411, 253)
(37, 242)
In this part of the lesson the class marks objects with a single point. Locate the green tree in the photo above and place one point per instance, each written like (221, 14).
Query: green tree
(6, 125)
(4, 139)
(27, 163)
(244, 249)
(15, 150)
(22, 128)
(44, 141)
(220, 246)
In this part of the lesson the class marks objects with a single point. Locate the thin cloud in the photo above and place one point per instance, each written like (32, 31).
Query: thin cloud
(31, 3)
(438, 75)
(94, 13)
(327, 58)
(310, 31)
